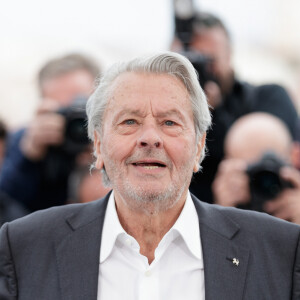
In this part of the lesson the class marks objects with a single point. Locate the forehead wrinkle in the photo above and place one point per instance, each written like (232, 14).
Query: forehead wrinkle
(136, 112)
(173, 100)
(149, 101)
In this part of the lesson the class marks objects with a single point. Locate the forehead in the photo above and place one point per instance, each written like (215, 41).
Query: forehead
(135, 90)
(250, 139)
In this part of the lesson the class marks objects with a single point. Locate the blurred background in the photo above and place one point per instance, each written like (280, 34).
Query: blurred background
(265, 38)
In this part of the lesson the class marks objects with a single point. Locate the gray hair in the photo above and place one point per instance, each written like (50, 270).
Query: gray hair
(169, 63)
(66, 64)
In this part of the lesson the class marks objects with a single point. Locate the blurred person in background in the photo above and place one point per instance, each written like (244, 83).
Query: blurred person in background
(3, 136)
(40, 157)
(258, 169)
(84, 185)
(297, 147)
(229, 98)
(9, 208)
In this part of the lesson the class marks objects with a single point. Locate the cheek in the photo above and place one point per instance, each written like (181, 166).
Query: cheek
(117, 148)
(181, 151)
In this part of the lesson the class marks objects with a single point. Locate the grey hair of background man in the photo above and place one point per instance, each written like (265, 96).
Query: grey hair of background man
(66, 64)
(169, 63)
(205, 21)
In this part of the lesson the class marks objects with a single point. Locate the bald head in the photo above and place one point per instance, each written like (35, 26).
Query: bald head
(252, 135)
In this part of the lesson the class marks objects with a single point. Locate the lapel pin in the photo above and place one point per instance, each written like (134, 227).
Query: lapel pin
(234, 260)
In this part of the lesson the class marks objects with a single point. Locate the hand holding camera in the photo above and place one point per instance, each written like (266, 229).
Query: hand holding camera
(287, 204)
(46, 129)
(268, 185)
(55, 126)
(266, 182)
(231, 184)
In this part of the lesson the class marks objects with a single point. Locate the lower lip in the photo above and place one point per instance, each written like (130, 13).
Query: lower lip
(149, 170)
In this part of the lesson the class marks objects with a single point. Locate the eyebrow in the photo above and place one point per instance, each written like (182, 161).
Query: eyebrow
(125, 111)
(139, 113)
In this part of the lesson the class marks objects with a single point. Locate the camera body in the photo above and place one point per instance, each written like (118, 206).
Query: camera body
(203, 66)
(265, 181)
(201, 63)
(76, 137)
(60, 160)
(184, 17)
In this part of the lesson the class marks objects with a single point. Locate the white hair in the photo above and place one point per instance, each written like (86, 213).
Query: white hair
(169, 63)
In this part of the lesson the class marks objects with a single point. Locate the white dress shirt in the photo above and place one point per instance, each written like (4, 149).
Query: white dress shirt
(176, 273)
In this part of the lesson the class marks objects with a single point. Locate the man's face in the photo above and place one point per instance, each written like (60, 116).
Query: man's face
(214, 43)
(65, 88)
(148, 143)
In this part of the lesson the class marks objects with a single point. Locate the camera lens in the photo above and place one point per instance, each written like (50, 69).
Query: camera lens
(267, 184)
(76, 131)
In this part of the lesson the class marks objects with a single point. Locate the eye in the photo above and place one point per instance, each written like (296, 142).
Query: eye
(169, 123)
(129, 122)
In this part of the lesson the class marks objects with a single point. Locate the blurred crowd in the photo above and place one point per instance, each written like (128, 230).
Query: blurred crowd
(42, 161)
(253, 158)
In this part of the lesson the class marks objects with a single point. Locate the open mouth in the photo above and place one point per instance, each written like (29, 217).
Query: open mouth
(149, 165)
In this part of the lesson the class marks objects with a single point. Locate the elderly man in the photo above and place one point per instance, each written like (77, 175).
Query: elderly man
(149, 238)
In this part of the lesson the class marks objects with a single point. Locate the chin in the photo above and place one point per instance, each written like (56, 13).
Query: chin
(151, 199)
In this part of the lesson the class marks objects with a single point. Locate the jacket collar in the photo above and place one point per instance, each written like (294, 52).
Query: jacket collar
(224, 276)
(77, 254)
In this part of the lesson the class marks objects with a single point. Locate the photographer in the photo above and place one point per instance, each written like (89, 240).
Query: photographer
(9, 208)
(36, 167)
(250, 138)
(228, 97)
(3, 136)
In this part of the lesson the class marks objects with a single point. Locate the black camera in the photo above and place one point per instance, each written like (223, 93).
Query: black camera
(203, 66)
(184, 20)
(60, 160)
(265, 180)
(76, 137)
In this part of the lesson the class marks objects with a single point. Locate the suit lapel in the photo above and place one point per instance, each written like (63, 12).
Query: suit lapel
(78, 253)
(224, 279)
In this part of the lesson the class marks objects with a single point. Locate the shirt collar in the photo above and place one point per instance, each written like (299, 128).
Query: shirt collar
(112, 228)
(187, 225)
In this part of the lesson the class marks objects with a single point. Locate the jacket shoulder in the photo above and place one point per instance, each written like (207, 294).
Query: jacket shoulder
(245, 222)
(57, 220)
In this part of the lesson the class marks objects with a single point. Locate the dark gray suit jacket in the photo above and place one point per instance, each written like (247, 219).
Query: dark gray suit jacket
(54, 254)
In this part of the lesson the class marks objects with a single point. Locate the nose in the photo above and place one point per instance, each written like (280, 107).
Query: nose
(150, 137)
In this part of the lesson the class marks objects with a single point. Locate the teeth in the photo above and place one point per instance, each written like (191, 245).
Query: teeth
(150, 167)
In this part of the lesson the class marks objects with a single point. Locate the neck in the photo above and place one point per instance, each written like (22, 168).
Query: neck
(148, 229)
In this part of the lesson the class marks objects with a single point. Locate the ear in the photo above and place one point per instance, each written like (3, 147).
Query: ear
(97, 148)
(200, 146)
